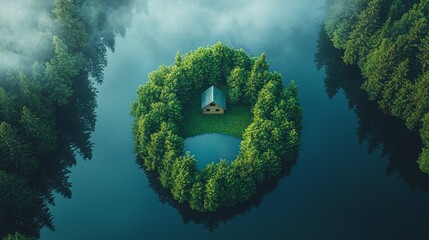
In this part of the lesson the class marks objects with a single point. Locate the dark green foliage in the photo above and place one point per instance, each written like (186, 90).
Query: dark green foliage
(237, 83)
(257, 79)
(183, 175)
(70, 27)
(357, 45)
(17, 236)
(271, 139)
(59, 73)
(47, 112)
(388, 40)
(376, 130)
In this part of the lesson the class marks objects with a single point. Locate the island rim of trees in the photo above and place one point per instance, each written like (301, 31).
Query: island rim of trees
(272, 137)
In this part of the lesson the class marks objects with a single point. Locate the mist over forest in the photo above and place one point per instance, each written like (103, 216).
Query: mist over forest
(52, 57)
(24, 33)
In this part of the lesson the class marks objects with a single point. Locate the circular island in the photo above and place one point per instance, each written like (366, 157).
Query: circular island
(255, 106)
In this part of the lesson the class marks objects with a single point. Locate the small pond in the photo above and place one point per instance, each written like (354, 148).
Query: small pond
(212, 147)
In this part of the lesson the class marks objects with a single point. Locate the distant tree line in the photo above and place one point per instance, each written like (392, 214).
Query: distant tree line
(389, 41)
(47, 112)
(271, 138)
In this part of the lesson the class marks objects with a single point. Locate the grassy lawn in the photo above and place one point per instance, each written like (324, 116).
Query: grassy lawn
(235, 120)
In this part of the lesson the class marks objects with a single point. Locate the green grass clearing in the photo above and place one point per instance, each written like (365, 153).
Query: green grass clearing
(235, 120)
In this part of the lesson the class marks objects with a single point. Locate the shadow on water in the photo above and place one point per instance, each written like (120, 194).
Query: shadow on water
(211, 221)
(375, 128)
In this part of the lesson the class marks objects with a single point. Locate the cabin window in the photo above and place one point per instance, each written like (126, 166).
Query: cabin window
(212, 104)
(208, 110)
(217, 109)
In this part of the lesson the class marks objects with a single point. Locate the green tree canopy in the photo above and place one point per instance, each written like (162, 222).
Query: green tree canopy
(271, 139)
(388, 40)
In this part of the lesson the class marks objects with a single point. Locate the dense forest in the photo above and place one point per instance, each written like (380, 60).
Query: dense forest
(271, 138)
(47, 105)
(402, 146)
(389, 41)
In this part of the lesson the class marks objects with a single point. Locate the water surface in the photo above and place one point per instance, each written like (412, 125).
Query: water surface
(212, 147)
(353, 178)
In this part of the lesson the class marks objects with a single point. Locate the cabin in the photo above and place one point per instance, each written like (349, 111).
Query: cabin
(213, 101)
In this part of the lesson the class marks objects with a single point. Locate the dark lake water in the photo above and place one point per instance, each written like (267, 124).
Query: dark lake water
(355, 177)
(212, 147)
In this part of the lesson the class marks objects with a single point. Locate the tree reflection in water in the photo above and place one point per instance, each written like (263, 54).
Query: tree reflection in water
(211, 221)
(379, 130)
(47, 106)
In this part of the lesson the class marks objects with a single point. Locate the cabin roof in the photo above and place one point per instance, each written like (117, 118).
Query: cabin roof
(213, 94)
